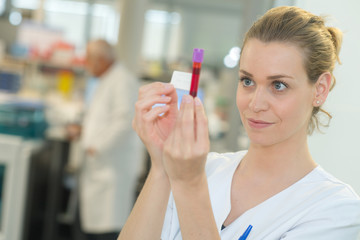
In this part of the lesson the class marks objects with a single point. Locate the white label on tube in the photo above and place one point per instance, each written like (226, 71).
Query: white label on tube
(181, 80)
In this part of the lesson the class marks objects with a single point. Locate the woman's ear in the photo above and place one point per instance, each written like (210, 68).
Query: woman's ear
(322, 88)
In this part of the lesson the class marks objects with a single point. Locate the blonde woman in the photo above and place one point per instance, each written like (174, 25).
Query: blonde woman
(285, 73)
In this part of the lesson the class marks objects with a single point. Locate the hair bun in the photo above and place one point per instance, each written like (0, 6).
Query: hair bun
(336, 36)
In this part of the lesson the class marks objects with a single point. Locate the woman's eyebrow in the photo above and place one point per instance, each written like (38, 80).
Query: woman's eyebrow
(245, 72)
(273, 77)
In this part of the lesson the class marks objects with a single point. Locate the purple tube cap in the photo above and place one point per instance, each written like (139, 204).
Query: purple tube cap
(198, 55)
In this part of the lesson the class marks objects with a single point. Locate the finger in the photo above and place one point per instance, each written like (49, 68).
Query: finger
(156, 88)
(176, 142)
(187, 119)
(174, 99)
(149, 116)
(184, 102)
(151, 94)
(170, 146)
(174, 145)
(144, 106)
(155, 112)
(181, 109)
(201, 122)
(143, 124)
(147, 103)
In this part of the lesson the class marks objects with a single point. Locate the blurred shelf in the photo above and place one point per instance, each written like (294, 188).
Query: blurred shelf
(20, 64)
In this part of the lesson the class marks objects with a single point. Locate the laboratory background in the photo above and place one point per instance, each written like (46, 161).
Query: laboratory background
(44, 87)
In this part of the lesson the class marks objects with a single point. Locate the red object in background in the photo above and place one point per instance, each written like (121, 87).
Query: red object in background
(78, 61)
(62, 53)
(63, 45)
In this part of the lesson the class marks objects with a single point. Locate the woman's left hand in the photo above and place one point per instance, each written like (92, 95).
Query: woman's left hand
(185, 150)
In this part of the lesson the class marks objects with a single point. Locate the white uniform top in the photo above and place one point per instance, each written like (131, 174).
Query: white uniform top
(107, 180)
(317, 207)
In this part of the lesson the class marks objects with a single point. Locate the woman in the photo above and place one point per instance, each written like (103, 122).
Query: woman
(286, 66)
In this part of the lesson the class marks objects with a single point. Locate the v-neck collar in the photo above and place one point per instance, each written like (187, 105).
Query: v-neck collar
(227, 208)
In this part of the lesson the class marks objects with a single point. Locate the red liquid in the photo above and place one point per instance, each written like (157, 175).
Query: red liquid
(195, 79)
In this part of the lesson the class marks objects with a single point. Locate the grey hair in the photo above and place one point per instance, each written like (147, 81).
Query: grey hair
(101, 48)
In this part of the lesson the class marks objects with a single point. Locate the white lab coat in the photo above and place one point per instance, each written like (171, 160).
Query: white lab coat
(317, 207)
(107, 180)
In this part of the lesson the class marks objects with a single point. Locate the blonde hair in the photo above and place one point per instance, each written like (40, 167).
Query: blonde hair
(320, 44)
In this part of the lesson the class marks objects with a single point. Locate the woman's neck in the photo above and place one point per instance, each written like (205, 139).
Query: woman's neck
(291, 157)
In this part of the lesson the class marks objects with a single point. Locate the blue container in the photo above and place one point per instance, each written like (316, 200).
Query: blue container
(9, 82)
(23, 119)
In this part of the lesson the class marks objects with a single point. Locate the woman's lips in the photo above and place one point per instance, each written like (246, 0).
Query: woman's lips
(258, 124)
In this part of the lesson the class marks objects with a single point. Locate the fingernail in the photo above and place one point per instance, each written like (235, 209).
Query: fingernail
(168, 85)
(186, 99)
(197, 101)
(165, 98)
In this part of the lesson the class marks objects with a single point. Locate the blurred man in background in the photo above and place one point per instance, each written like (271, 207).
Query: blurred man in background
(112, 150)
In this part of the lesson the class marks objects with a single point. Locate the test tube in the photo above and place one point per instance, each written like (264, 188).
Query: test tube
(198, 56)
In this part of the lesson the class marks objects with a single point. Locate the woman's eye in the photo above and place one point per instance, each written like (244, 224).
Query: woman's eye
(247, 82)
(279, 86)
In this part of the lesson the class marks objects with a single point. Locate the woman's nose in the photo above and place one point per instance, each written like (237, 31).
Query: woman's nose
(259, 101)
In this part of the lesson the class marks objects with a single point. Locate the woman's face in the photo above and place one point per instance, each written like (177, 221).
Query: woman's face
(274, 96)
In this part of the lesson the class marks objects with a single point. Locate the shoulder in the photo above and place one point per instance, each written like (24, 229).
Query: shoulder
(118, 71)
(120, 79)
(335, 212)
(333, 186)
(332, 194)
(124, 72)
(319, 206)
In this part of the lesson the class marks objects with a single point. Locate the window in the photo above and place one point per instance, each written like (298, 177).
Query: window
(2, 6)
(161, 35)
(71, 17)
(28, 4)
(105, 23)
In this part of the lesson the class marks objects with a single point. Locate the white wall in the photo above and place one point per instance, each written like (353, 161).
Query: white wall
(338, 150)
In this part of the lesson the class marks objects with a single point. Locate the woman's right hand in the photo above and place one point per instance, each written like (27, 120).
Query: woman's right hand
(154, 124)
